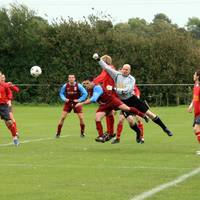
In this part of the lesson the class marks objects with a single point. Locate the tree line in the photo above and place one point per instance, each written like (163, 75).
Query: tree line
(159, 52)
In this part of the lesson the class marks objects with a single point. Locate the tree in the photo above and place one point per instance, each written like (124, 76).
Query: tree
(193, 26)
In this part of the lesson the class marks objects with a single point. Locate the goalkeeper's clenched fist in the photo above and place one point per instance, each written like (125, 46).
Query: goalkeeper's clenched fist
(96, 57)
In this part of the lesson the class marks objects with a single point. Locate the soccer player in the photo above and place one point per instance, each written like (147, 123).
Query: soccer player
(5, 97)
(13, 88)
(72, 93)
(106, 81)
(131, 120)
(195, 105)
(107, 103)
(124, 84)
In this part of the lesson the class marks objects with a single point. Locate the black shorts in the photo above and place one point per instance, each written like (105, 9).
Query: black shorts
(126, 114)
(4, 112)
(137, 103)
(196, 121)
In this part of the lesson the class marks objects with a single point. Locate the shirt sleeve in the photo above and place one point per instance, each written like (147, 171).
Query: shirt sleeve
(62, 92)
(14, 88)
(83, 91)
(97, 92)
(112, 72)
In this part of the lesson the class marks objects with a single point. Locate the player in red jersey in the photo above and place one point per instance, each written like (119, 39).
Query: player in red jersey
(132, 123)
(107, 82)
(5, 97)
(107, 103)
(13, 88)
(195, 105)
(72, 93)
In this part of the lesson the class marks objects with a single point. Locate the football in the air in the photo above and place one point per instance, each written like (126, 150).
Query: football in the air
(35, 71)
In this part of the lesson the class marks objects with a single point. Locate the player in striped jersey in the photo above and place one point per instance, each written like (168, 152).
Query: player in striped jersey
(72, 93)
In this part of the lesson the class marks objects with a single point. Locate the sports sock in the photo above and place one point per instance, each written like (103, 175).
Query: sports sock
(99, 128)
(12, 130)
(110, 124)
(82, 128)
(198, 136)
(158, 121)
(141, 127)
(136, 128)
(119, 129)
(59, 129)
(15, 124)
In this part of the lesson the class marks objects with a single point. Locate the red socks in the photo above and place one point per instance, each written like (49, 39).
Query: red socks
(82, 128)
(99, 128)
(141, 127)
(110, 124)
(12, 130)
(119, 129)
(59, 129)
(198, 136)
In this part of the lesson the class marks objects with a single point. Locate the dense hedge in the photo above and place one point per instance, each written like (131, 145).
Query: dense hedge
(159, 52)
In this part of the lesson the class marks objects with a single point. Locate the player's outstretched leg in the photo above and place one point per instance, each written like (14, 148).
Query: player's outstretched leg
(159, 122)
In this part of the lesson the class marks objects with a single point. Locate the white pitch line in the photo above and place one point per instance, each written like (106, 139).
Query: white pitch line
(33, 140)
(166, 185)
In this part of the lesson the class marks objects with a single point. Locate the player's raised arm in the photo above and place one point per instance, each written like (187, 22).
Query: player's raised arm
(113, 73)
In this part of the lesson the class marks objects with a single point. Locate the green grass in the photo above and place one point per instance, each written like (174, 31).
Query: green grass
(74, 168)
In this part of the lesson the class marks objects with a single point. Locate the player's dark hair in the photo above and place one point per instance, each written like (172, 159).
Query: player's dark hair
(89, 78)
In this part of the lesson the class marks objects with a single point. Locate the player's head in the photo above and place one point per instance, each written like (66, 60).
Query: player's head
(3, 77)
(88, 83)
(0, 76)
(107, 59)
(71, 78)
(126, 69)
(196, 75)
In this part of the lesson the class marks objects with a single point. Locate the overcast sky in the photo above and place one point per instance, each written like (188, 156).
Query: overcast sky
(120, 10)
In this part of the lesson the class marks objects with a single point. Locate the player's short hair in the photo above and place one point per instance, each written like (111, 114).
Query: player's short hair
(107, 59)
(198, 73)
(71, 75)
(89, 78)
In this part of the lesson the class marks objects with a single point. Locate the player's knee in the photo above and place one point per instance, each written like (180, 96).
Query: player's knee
(9, 122)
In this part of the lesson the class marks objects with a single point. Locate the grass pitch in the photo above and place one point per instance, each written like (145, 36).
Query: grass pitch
(74, 168)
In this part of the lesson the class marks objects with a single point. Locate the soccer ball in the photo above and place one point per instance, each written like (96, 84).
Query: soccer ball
(35, 71)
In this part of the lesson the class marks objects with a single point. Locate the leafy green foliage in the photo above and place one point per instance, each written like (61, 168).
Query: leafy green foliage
(159, 52)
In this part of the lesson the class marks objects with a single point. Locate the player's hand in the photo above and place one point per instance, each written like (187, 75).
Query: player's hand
(95, 56)
(9, 103)
(67, 100)
(78, 104)
(190, 109)
(75, 100)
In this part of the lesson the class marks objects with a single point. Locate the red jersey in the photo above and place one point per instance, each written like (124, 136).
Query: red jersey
(196, 100)
(136, 91)
(13, 88)
(5, 93)
(72, 91)
(104, 79)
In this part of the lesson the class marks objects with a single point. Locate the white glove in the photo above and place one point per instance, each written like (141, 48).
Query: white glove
(95, 56)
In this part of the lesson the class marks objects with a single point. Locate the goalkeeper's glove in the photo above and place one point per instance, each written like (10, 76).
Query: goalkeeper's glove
(96, 57)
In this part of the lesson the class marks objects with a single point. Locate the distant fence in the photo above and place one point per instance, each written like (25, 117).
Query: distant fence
(166, 94)
(155, 94)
